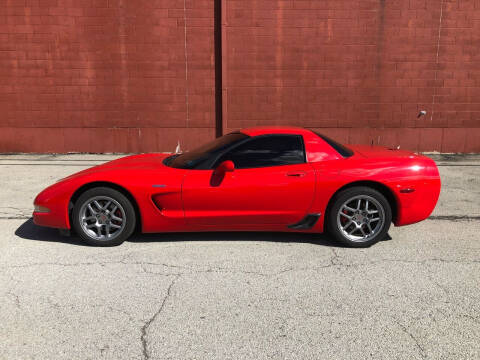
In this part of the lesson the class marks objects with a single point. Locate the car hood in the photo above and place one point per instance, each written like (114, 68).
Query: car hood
(142, 161)
(152, 161)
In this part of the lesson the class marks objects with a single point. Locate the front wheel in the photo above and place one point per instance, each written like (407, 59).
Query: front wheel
(103, 217)
(359, 217)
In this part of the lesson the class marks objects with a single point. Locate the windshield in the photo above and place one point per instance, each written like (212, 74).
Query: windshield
(201, 157)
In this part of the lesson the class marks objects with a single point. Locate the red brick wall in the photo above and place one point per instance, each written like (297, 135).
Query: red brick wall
(105, 75)
(359, 70)
(118, 75)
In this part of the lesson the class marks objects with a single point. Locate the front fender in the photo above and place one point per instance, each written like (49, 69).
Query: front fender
(55, 198)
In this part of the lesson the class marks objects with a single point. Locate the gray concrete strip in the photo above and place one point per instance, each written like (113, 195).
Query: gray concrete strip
(55, 157)
(240, 295)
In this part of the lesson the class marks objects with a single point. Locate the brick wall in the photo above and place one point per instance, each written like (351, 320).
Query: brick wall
(359, 70)
(120, 75)
(105, 75)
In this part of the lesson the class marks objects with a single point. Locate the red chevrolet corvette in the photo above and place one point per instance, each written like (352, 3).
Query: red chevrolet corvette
(259, 179)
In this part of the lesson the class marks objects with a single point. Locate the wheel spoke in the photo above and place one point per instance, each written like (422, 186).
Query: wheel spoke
(91, 226)
(116, 218)
(366, 205)
(115, 226)
(107, 230)
(345, 215)
(359, 203)
(363, 232)
(107, 204)
(353, 230)
(372, 212)
(91, 209)
(97, 204)
(375, 219)
(346, 207)
(369, 228)
(347, 225)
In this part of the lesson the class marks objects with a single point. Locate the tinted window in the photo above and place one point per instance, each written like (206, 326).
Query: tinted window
(200, 157)
(264, 151)
(341, 149)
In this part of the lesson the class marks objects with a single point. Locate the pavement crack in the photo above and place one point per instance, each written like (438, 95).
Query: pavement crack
(246, 272)
(60, 264)
(147, 271)
(431, 260)
(191, 270)
(143, 263)
(334, 259)
(473, 318)
(14, 213)
(454, 218)
(12, 216)
(438, 285)
(15, 298)
(420, 348)
(145, 327)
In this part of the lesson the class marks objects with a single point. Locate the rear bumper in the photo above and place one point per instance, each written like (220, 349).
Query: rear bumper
(418, 205)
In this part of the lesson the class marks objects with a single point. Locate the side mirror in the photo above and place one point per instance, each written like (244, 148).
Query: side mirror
(226, 166)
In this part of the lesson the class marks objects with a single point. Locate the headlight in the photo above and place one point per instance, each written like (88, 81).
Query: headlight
(41, 209)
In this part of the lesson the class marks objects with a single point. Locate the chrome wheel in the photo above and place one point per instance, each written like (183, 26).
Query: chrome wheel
(102, 218)
(360, 218)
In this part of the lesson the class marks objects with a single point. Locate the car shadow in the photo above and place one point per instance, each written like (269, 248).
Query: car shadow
(29, 231)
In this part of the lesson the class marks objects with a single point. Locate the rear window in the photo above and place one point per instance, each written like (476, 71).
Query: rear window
(341, 149)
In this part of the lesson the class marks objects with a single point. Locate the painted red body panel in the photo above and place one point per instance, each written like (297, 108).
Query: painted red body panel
(264, 196)
(262, 199)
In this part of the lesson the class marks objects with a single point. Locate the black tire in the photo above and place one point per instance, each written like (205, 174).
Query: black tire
(337, 220)
(99, 222)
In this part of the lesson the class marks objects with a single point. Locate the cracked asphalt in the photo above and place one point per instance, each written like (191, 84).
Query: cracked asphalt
(239, 295)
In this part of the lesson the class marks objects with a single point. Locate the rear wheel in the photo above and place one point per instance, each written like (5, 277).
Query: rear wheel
(103, 217)
(359, 217)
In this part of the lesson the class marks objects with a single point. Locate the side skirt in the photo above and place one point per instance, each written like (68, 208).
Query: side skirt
(306, 223)
(65, 232)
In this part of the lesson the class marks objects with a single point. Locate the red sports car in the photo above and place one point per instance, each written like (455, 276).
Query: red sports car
(258, 179)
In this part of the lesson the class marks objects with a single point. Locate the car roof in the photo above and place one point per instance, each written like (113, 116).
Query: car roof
(266, 130)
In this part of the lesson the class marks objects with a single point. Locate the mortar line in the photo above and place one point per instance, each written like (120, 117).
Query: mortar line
(436, 61)
(186, 60)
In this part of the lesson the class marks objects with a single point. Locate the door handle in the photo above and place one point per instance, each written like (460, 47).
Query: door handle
(296, 174)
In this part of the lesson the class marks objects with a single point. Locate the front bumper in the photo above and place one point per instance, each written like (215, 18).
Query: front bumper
(54, 198)
(48, 220)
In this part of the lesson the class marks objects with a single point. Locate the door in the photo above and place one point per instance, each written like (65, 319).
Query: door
(271, 184)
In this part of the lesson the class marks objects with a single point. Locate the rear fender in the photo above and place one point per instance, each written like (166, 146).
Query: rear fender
(390, 177)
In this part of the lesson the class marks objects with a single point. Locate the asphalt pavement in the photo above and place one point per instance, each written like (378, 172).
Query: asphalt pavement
(238, 295)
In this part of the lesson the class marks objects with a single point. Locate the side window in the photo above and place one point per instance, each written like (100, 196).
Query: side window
(265, 151)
